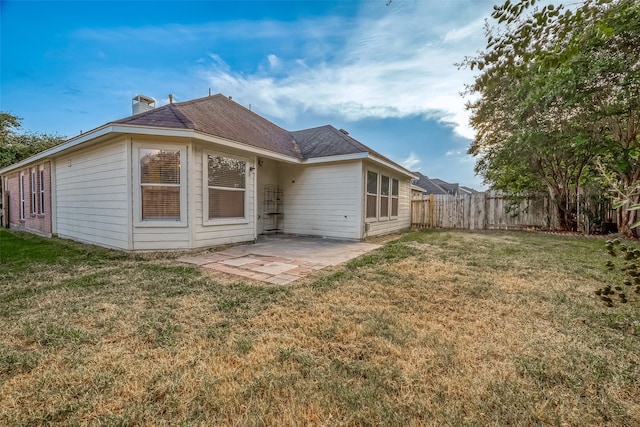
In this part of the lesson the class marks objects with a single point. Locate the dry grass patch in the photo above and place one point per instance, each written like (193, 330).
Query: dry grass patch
(435, 328)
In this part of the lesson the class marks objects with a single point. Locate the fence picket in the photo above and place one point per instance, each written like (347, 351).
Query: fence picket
(481, 211)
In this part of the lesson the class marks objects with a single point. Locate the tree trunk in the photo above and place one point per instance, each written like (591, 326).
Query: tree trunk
(626, 218)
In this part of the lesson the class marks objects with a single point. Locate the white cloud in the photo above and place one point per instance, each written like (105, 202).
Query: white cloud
(394, 63)
(411, 162)
(274, 61)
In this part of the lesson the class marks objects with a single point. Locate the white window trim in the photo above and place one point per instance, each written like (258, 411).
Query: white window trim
(41, 185)
(388, 196)
(137, 192)
(205, 190)
(391, 197)
(23, 208)
(34, 191)
(366, 194)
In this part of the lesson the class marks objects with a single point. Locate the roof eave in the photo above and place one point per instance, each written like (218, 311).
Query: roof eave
(73, 142)
(360, 156)
(336, 158)
(392, 165)
(202, 136)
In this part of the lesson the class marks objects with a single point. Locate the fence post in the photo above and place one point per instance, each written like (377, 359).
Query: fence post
(431, 210)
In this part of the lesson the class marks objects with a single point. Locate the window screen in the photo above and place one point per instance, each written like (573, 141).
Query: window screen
(394, 197)
(41, 191)
(227, 183)
(372, 194)
(384, 196)
(160, 184)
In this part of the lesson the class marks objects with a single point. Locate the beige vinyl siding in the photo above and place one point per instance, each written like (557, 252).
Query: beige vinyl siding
(91, 195)
(383, 225)
(222, 232)
(323, 200)
(267, 175)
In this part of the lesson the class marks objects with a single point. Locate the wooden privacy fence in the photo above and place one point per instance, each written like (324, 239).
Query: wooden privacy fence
(480, 211)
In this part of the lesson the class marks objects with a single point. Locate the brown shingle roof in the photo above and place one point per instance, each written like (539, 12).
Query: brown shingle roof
(219, 116)
(326, 141)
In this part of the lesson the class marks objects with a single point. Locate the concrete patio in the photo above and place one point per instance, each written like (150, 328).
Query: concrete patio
(280, 259)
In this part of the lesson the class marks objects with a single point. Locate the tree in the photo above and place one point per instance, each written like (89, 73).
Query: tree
(16, 146)
(559, 90)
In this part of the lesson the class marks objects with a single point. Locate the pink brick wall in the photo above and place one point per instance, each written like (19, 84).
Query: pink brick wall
(39, 222)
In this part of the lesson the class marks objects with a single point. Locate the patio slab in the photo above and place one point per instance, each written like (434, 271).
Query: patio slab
(280, 259)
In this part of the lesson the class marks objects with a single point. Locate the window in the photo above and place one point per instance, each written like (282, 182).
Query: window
(394, 197)
(160, 184)
(22, 205)
(226, 182)
(42, 191)
(34, 192)
(372, 194)
(384, 196)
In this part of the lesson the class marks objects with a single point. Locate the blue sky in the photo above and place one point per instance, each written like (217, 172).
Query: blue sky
(383, 72)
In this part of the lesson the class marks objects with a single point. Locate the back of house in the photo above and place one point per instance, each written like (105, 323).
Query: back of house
(202, 173)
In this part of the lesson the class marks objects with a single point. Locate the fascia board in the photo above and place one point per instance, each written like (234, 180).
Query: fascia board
(145, 130)
(339, 158)
(73, 142)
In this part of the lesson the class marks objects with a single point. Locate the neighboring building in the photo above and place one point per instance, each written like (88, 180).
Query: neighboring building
(424, 186)
(203, 173)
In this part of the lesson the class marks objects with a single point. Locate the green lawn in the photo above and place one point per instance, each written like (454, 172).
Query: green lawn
(435, 328)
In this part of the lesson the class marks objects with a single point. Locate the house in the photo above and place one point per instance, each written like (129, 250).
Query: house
(424, 185)
(202, 173)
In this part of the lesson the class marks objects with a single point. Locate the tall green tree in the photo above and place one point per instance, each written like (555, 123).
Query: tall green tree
(16, 146)
(558, 93)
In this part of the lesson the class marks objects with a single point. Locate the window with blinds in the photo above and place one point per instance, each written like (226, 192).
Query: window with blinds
(34, 192)
(41, 191)
(22, 204)
(372, 194)
(384, 196)
(160, 184)
(226, 187)
(394, 197)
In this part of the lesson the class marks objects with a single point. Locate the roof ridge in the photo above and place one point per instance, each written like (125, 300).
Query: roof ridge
(180, 116)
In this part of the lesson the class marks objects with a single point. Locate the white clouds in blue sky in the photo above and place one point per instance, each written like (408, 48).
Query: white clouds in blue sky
(385, 72)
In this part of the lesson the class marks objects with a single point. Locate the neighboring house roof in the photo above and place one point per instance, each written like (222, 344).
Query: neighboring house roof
(438, 186)
(449, 187)
(468, 190)
(428, 185)
(219, 116)
(417, 188)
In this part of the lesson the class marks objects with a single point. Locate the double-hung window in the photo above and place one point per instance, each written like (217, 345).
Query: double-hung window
(22, 204)
(384, 196)
(41, 190)
(160, 184)
(226, 179)
(34, 192)
(372, 194)
(394, 197)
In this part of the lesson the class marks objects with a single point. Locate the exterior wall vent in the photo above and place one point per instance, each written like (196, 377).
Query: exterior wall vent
(142, 103)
